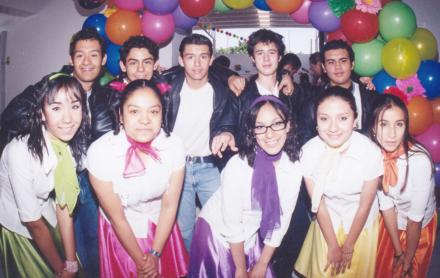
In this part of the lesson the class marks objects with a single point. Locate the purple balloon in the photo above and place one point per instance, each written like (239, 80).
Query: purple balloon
(182, 21)
(437, 174)
(430, 139)
(159, 28)
(161, 6)
(322, 17)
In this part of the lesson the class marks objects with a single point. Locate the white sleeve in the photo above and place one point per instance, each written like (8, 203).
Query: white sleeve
(308, 158)
(178, 153)
(421, 180)
(373, 163)
(97, 161)
(385, 202)
(231, 201)
(21, 173)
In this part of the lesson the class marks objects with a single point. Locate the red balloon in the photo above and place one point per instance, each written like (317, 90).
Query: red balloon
(384, 2)
(359, 27)
(337, 35)
(197, 8)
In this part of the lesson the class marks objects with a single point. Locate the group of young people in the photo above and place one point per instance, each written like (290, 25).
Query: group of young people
(105, 180)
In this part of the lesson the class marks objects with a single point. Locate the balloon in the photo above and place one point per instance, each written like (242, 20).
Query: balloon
(429, 76)
(322, 17)
(113, 58)
(121, 25)
(129, 5)
(420, 115)
(400, 58)
(337, 35)
(436, 110)
(302, 14)
(426, 44)
(339, 7)
(238, 4)
(182, 21)
(382, 81)
(262, 5)
(196, 8)
(220, 6)
(397, 20)
(159, 28)
(161, 6)
(359, 26)
(437, 174)
(367, 57)
(105, 78)
(384, 2)
(431, 141)
(90, 4)
(97, 22)
(284, 6)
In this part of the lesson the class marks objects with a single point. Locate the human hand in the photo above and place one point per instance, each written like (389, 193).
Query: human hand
(149, 267)
(241, 273)
(334, 259)
(236, 84)
(347, 255)
(286, 85)
(368, 82)
(221, 142)
(259, 270)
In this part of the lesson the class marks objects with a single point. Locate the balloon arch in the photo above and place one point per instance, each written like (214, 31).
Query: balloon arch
(388, 45)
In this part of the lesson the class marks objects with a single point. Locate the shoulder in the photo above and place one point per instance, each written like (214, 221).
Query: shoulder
(164, 142)
(313, 145)
(102, 144)
(418, 158)
(17, 148)
(236, 164)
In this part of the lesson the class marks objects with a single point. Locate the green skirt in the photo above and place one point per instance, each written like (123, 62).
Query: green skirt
(20, 256)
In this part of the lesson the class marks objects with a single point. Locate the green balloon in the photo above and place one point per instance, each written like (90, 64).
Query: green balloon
(397, 20)
(106, 78)
(368, 57)
(221, 7)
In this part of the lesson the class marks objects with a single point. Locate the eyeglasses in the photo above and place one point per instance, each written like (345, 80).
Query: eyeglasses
(277, 126)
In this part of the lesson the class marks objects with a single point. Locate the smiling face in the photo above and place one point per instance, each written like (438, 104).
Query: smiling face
(139, 64)
(141, 115)
(266, 58)
(335, 121)
(390, 128)
(338, 67)
(62, 116)
(272, 142)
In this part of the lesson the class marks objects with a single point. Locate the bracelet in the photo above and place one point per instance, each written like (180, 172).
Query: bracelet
(155, 253)
(71, 266)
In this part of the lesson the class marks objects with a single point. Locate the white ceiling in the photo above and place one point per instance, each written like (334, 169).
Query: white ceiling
(13, 10)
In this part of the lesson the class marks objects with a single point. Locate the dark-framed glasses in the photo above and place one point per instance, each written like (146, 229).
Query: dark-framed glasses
(276, 126)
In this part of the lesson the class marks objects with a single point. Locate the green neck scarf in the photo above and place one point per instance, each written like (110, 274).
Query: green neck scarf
(66, 181)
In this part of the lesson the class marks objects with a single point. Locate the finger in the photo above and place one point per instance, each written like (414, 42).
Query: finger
(326, 267)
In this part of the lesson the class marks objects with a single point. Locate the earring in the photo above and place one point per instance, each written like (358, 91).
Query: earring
(317, 128)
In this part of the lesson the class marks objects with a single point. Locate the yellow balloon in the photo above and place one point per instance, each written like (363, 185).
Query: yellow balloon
(426, 44)
(238, 4)
(400, 58)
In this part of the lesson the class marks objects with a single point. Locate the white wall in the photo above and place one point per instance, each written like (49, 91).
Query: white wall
(39, 44)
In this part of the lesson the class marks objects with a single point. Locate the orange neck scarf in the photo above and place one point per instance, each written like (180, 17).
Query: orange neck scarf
(390, 171)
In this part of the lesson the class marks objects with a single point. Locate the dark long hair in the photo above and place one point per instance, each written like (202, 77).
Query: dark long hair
(46, 90)
(249, 143)
(118, 99)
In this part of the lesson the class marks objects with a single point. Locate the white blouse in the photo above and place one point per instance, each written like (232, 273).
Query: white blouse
(417, 200)
(361, 162)
(141, 196)
(229, 211)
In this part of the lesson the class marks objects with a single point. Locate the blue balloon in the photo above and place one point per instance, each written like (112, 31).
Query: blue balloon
(261, 4)
(429, 76)
(113, 58)
(382, 81)
(97, 22)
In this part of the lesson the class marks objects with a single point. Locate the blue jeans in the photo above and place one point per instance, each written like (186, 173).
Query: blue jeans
(202, 179)
(86, 227)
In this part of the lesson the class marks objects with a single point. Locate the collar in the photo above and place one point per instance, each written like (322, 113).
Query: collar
(263, 91)
(354, 151)
(50, 160)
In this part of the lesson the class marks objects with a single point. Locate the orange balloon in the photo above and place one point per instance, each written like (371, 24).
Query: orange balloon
(121, 25)
(284, 6)
(436, 110)
(420, 115)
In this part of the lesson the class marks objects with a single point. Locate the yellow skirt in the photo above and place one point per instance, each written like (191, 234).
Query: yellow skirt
(313, 256)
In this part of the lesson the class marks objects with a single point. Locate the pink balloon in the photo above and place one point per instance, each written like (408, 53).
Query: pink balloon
(159, 28)
(302, 14)
(130, 5)
(431, 140)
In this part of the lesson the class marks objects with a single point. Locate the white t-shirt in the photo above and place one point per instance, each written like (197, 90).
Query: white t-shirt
(193, 119)
(358, 100)
(229, 211)
(140, 196)
(265, 92)
(25, 185)
(361, 162)
(417, 200)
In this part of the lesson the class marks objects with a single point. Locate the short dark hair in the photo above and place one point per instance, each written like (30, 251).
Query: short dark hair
(195, 39)
(139, 42)
(315, 58)
(338, 92)
(290, 59)
(337, 44)
(222, 60)
(86, 34)
(265, 36)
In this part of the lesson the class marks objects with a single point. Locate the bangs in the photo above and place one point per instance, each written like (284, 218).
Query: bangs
(68, 85)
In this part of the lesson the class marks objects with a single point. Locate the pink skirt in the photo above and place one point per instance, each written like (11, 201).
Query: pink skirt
(114, 261)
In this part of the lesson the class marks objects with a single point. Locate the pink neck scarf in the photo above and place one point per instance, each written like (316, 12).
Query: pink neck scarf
(134, 166)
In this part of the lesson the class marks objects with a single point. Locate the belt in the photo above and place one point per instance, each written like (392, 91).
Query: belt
(200, 159)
